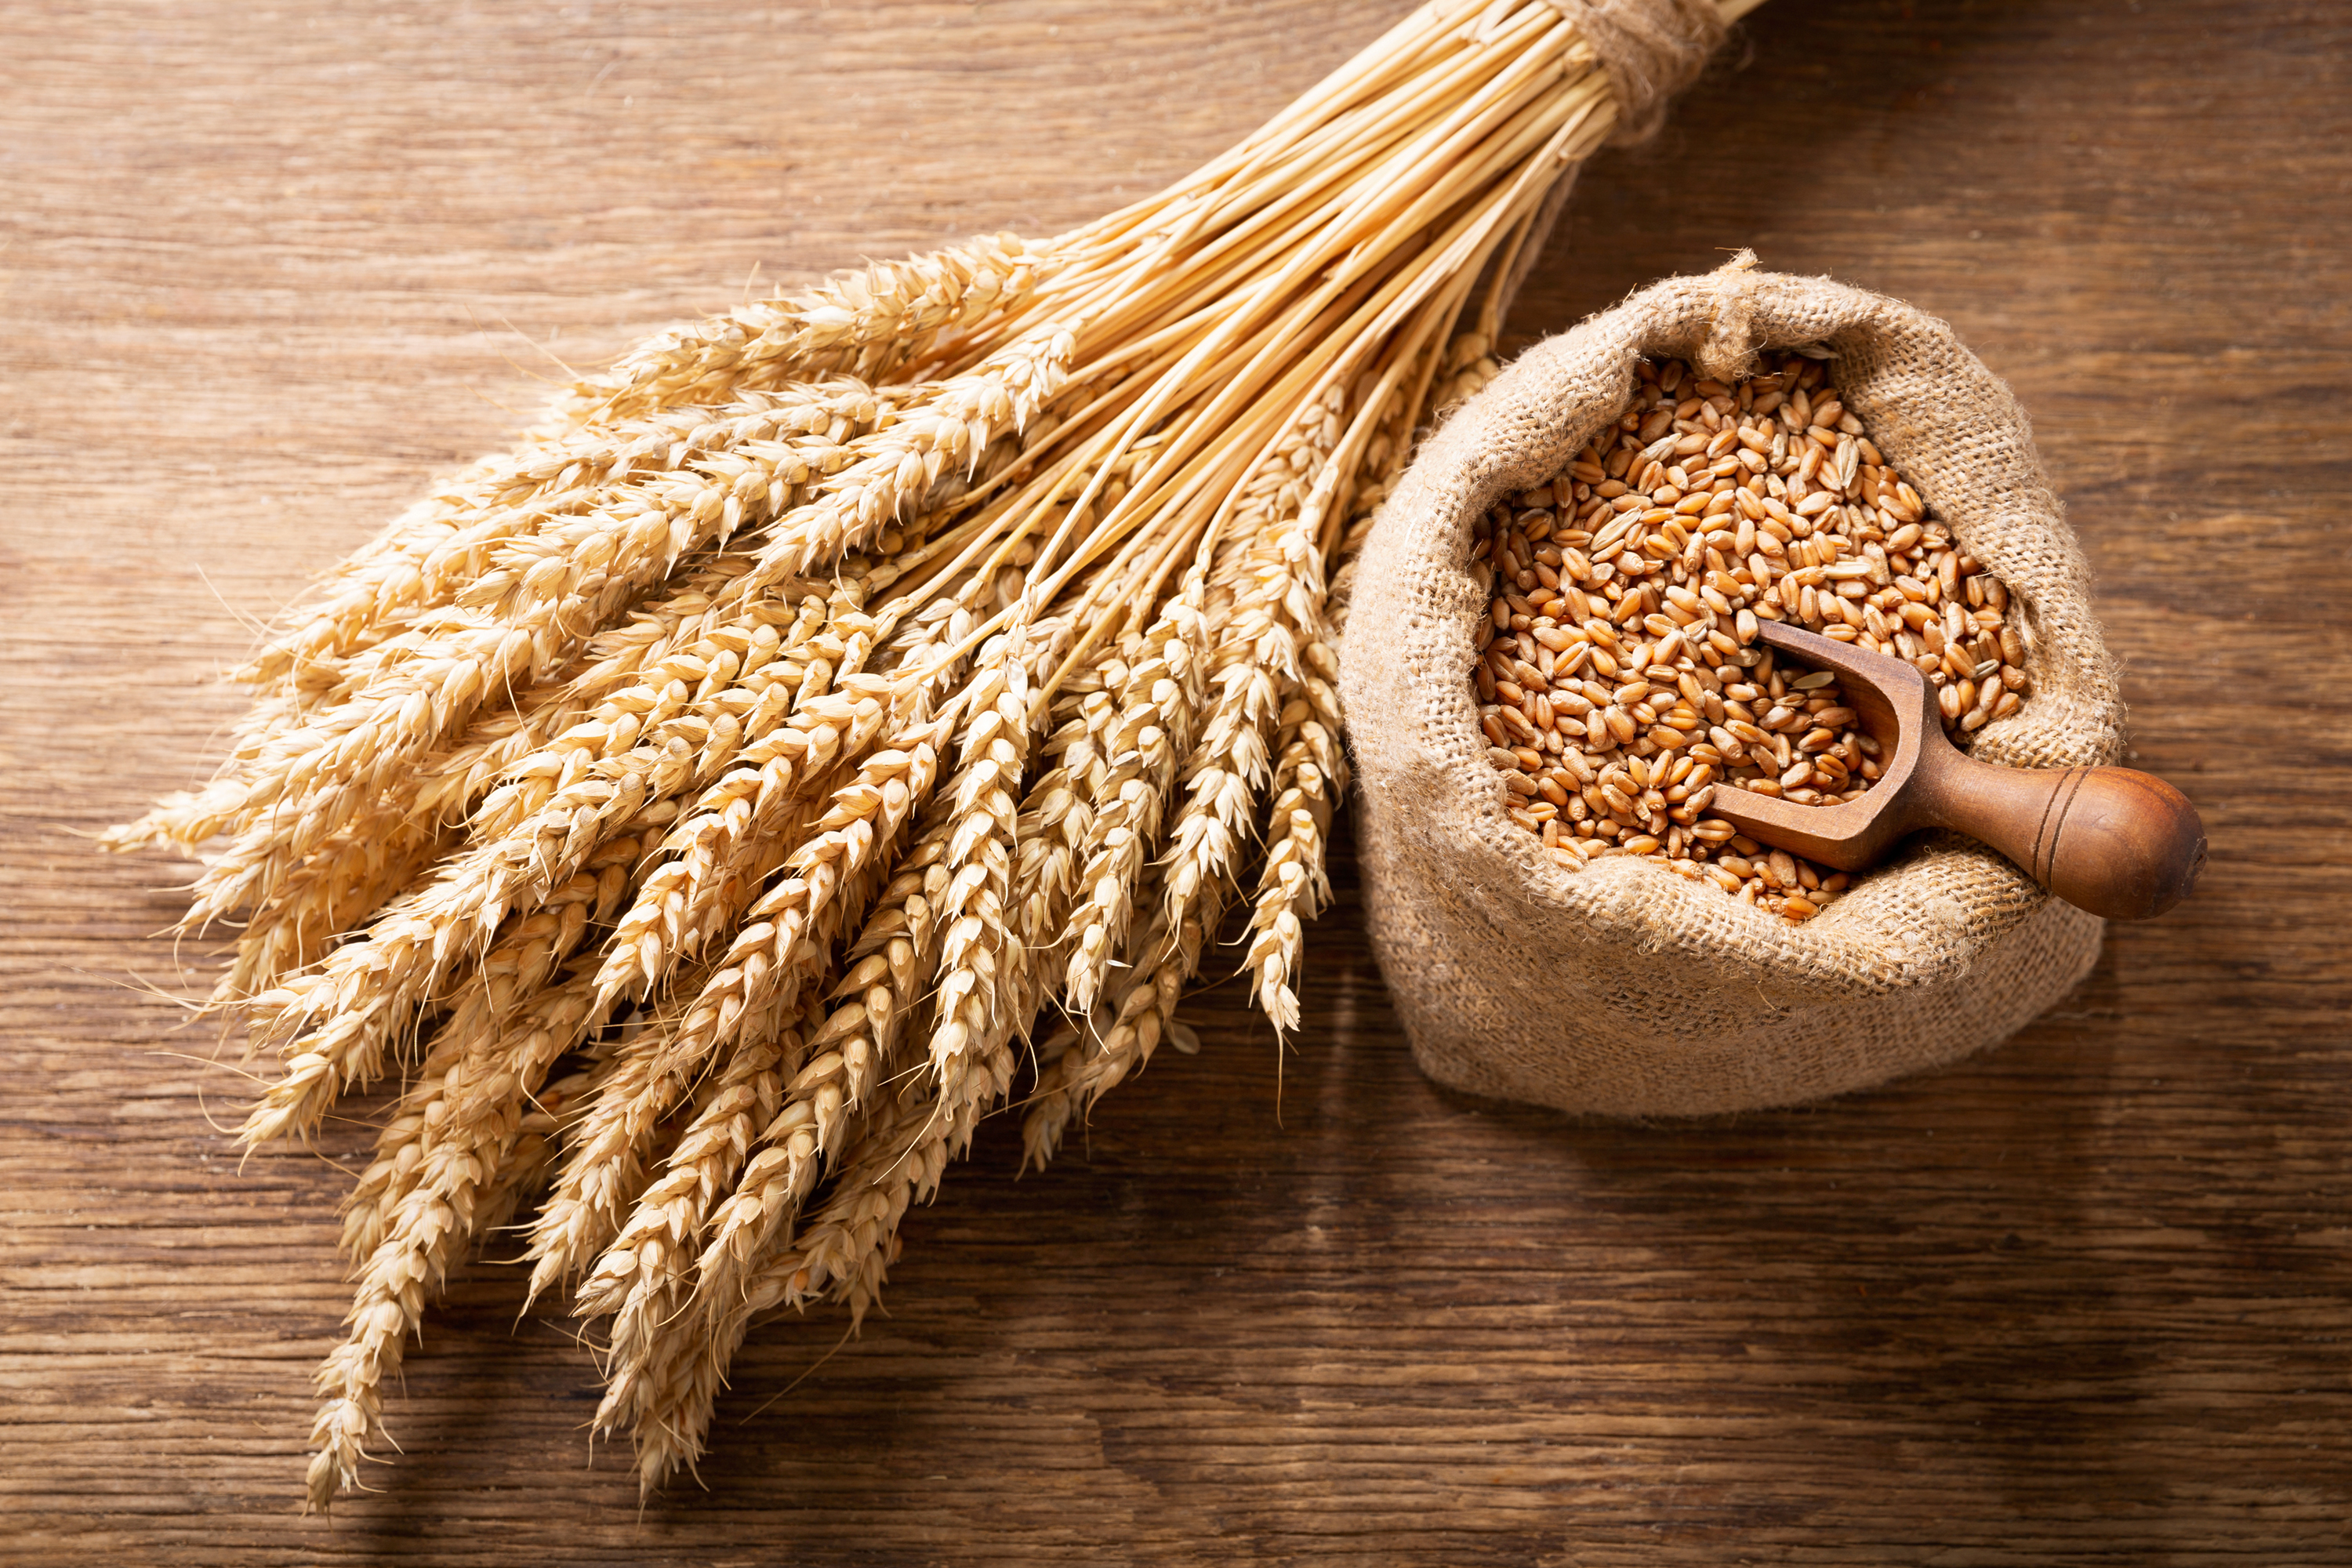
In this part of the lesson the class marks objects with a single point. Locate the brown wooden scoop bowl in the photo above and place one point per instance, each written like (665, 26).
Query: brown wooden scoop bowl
(2119, 844)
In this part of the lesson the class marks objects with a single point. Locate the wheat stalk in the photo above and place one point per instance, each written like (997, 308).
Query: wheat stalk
(699, 805)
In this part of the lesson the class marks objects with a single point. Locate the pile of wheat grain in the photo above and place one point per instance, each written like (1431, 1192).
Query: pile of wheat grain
(694, 809)
(1619, 678)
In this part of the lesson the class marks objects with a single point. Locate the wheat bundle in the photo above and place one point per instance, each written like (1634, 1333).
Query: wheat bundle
(695, 807)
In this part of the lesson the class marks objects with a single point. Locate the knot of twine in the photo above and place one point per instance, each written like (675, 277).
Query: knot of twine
(1651, 49)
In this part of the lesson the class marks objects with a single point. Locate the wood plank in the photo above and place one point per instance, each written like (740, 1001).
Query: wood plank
(2080, 1300)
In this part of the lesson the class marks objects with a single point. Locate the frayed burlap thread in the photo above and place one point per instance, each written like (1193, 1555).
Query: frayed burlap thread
(1622, 989)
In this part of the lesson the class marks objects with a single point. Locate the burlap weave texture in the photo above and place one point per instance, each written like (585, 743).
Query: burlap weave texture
(1623, 989)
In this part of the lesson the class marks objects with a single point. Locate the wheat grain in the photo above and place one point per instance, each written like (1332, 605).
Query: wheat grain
(851, 1051)
(989, 913)
(1119, 1039)
(1148, 732)
(643, 1279)
(1619, 676)
(367, 988)
(739, 999)
(440, 1158)
(1310, 775)
(531, 608)
(868, 321)
(463, 543)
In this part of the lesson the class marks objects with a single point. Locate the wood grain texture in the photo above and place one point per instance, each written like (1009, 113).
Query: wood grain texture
(2082, 1299)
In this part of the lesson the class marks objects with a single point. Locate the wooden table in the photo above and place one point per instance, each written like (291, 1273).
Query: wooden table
(2081, 1300)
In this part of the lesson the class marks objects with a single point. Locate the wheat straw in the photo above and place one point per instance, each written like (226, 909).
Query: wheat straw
(699, 805)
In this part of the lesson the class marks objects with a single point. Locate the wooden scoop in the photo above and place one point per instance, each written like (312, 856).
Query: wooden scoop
(2120, 844)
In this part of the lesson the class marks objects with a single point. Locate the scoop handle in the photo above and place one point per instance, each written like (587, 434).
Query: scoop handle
(2119, 843)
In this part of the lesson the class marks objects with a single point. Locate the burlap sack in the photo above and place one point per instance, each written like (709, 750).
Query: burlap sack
(1622, 988)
